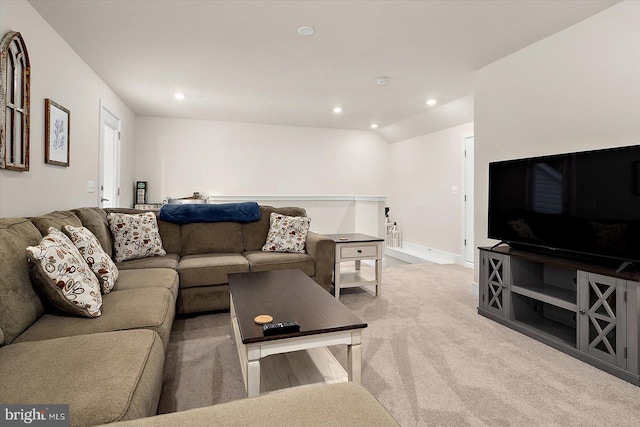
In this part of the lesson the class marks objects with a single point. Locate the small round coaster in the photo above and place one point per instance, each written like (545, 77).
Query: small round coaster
(262, 319)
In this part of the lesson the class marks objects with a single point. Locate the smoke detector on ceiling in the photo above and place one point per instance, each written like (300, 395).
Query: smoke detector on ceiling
(306, 30)
(382, 80)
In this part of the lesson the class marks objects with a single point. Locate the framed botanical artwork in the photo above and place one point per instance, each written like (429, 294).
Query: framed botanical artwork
(56, 133)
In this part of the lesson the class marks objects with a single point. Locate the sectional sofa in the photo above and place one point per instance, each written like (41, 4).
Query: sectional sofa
(205, 253)
(110, 368)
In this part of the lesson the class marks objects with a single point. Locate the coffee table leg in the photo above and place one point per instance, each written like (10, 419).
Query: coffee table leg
(378, 277)
(336, 280)
(253, 372)
(354, 357)
(232, 315)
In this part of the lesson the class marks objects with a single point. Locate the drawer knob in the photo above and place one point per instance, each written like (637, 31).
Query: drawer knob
(359, 251)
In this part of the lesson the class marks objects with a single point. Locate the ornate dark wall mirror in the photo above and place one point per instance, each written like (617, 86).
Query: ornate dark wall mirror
(15, 71)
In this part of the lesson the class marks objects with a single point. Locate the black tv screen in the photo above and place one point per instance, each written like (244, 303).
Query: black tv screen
(585, 203)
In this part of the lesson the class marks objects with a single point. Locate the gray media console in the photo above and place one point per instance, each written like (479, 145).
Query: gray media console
(587, 311)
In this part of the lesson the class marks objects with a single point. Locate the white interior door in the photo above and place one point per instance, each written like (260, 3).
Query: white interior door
(468, 200)
(109, 159)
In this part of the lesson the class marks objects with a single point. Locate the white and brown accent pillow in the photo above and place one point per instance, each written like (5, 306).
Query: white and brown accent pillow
(63, 276)
(135, 236)
(287, 233)
(97, 259)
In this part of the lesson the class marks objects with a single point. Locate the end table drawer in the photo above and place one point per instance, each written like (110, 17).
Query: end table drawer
(358, 251)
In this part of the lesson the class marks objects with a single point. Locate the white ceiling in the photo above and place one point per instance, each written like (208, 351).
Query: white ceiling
(243, 61)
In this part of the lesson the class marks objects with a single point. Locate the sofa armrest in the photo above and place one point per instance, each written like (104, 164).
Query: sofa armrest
(323, 250)
(340, 404)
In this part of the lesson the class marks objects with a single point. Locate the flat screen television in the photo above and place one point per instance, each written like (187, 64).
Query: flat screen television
(584, 204)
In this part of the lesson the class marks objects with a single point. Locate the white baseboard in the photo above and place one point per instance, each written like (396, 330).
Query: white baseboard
(475, 289)
(417, 254)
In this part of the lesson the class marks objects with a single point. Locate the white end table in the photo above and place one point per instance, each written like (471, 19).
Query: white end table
(357, 247)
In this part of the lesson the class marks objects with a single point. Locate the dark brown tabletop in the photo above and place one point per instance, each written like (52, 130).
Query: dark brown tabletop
(287, 295)
(353, 237)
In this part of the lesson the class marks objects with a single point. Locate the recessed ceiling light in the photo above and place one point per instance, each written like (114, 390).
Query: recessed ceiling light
(179, 96)
(374, 125)
(337, 110)
(431, 102)
(382, 80)
(306, 30)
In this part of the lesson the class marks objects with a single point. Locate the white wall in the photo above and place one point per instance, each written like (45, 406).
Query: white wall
(329, 214)
(422, 171)
(576, 90)
(59, 74)
(178, 157)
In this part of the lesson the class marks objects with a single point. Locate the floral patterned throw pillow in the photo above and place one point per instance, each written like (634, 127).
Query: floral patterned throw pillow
(135, 236)
(97, 259)
(287, 233)
(63, 276)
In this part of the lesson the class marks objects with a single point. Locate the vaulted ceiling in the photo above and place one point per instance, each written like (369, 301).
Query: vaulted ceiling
(244, 61)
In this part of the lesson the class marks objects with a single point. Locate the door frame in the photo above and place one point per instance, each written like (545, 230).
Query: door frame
(108, 116)
(464, 192)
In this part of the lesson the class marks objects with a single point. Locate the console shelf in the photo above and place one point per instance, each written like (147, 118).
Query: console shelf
(551, 330)
(559, 302)
(550, 294)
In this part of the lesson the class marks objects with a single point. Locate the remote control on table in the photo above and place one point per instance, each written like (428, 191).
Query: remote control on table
(280, 328)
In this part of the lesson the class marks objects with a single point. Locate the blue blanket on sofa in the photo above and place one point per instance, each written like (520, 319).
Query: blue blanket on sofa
(187, 213)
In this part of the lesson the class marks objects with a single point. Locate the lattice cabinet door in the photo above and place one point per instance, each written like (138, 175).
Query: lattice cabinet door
(495, 282)
(603, 318)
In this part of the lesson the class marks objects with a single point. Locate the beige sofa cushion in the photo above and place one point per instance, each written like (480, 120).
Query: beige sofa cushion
(20, 304)
(255, 233)
(164, 261)
(171, 236)
(125, 367)
(148, 278)
(211, 238)
(327, 405)
(142, 308)
(203, 298)
(210, 269)
(55, 219)
(268, 261)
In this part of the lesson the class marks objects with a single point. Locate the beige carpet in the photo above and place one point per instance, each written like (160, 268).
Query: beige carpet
(428, 357)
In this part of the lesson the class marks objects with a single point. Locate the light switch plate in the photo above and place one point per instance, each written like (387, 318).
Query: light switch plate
(91, 186)
(454, 190)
